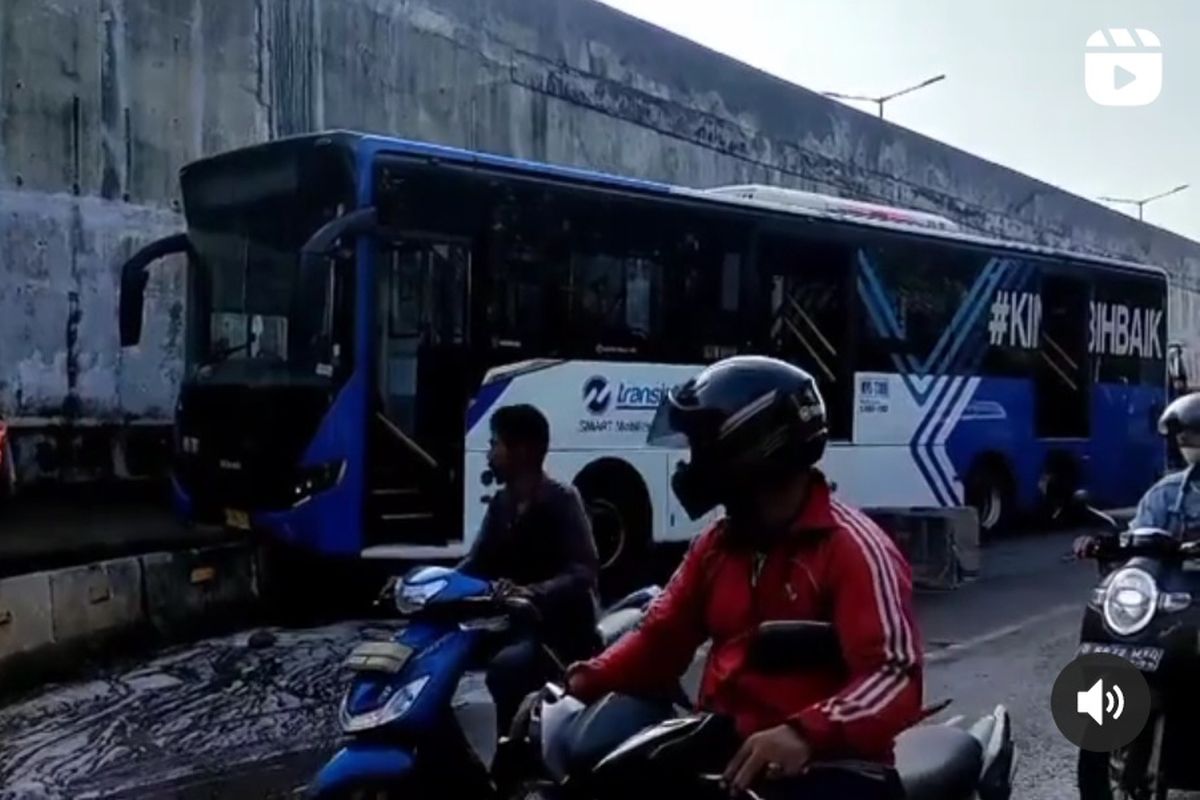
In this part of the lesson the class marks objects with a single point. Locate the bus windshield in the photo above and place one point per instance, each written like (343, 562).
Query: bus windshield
(257, 317)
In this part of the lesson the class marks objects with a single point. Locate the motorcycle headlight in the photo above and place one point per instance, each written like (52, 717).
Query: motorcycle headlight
(412, 597)
(314, 480)
(396, 707)
(1130, 601)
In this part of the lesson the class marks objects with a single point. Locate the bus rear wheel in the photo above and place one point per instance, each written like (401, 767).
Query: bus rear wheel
(990, 490)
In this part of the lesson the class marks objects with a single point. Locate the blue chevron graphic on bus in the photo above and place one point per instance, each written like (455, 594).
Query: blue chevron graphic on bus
(935, 381)
(949, 349)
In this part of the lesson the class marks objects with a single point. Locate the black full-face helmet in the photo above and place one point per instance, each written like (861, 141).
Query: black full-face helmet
(749, 421)
(1180, 422)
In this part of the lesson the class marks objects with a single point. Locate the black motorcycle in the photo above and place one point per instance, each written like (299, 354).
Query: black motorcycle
(1142, 611)
(631, 748)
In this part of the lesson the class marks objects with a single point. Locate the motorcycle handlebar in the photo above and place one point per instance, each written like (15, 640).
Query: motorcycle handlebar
(1110, 548)
(520, 607)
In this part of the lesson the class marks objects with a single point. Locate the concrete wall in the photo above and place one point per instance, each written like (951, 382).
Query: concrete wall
(101, 101)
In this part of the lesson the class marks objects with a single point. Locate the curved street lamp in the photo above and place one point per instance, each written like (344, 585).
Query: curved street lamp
(881, 99)
(1141, 204)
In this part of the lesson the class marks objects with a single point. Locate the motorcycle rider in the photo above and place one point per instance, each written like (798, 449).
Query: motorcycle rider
(786, 549)
(535, 541)
(1172, 504)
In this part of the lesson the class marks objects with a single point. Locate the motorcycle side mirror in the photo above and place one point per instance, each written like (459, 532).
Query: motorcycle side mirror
(785, 646)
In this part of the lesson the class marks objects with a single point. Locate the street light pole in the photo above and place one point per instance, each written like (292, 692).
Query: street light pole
(1141, 204)
(881, 99)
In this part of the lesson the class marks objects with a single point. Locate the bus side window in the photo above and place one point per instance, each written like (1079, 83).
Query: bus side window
(526, 279)
(1127, 334)
(706, 300)
(615, 303)
(912, 297)
(806, 283)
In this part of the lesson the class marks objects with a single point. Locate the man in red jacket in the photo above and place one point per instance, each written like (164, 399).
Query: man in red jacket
(786, 550)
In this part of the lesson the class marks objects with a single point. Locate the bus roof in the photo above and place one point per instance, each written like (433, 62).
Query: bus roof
(750, 197)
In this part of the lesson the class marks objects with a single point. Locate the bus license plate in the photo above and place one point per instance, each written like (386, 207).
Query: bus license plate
(389, 657)
(1146, 659)
(237, 519)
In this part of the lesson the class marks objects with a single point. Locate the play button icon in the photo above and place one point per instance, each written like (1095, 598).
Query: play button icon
(1122, 77)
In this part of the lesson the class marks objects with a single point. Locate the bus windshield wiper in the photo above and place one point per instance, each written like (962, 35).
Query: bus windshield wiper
(224, 353)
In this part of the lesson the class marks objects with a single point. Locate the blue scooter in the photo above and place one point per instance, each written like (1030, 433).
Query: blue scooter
(397, 711)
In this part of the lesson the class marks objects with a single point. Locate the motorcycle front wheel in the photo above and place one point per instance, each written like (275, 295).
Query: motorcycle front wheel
(1131, 773)
(368, 793)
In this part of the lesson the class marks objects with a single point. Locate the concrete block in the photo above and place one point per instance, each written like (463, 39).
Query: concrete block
(930, 540)
(26, 623)
(964, 525)
(96, 599)
(183, 588)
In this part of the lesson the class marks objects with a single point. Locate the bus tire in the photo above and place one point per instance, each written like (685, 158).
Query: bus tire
(1060, 479)
(618, 506)
(989, 488)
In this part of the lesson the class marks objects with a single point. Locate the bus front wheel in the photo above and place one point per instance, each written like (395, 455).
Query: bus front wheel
(619, 509)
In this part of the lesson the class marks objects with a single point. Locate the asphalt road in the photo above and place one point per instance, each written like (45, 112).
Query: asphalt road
(225, 719)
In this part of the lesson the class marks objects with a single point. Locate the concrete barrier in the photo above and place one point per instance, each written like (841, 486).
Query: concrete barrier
(26, 623)
(192, 586)
(50, 621)
(941, 544)
(97, 599)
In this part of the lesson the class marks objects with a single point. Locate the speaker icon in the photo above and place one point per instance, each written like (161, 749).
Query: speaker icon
(1096, 702)
(1110, 714)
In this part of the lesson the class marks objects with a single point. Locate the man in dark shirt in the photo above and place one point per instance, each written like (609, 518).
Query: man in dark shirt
(535, 541)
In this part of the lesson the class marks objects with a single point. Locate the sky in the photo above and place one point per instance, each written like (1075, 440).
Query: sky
(1014, 91)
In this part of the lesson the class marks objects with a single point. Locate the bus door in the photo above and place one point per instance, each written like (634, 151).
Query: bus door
(421, 377)
(1061, 386)
(806, 282)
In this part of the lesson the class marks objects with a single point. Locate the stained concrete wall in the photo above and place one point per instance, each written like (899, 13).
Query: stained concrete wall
(101, 101)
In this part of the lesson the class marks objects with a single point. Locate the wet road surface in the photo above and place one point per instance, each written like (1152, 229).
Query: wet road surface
(231, 720)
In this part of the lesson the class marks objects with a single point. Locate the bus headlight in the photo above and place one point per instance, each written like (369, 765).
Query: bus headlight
(1130, 601)
(314, 480)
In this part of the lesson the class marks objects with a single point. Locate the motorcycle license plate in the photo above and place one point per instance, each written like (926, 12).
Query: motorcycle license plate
(237, 519)
(1145, 659)
(388, 657)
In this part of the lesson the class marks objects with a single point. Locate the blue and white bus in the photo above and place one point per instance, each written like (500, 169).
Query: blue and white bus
(358, 305)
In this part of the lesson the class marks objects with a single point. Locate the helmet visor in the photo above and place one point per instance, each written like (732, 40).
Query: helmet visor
(664, 430)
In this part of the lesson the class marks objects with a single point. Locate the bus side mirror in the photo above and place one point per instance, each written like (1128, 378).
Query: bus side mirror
(133, 284)
(130, 307)
(363, 221)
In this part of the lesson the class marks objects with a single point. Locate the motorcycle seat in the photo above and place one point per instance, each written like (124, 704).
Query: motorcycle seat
(638, 599)
(938, 762)
(616, 624)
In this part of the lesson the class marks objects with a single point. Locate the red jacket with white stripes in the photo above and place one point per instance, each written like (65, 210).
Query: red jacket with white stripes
(836, 565)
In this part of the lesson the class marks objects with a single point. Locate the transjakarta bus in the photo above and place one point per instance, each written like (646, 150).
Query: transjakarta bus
(359, 306)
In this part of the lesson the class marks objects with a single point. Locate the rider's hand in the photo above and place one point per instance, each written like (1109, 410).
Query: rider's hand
(1083, 546)
(574, 679)
(506, 588)
(780, 752)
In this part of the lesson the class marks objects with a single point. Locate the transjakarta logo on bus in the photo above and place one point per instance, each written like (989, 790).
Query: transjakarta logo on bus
(599, 396)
